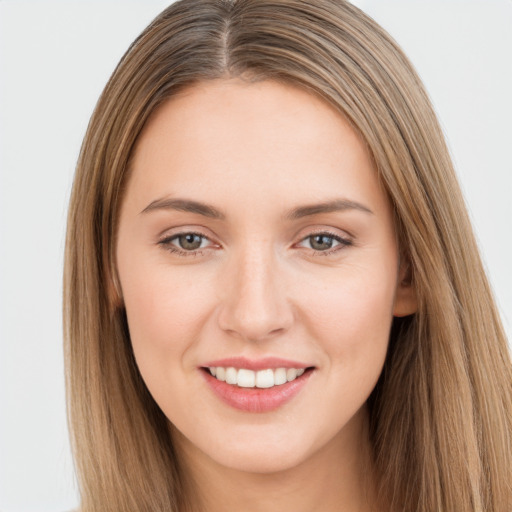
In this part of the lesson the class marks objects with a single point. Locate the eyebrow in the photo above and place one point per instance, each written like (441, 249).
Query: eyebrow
(336, 205)
(184, 205)
(187, 205)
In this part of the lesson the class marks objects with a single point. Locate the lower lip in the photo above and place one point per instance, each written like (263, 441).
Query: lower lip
(256, 399)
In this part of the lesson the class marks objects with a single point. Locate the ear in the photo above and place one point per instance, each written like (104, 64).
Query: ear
(114, 292)
(406, 302)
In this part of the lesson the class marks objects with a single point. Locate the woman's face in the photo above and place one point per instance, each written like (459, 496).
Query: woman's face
(255, 239)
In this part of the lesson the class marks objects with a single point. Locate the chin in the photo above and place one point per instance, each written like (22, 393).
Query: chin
(259, 461)
(246, 451)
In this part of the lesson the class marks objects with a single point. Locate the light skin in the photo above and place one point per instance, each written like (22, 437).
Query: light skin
(273, 275)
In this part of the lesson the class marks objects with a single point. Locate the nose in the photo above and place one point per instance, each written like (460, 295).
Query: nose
(254, 304)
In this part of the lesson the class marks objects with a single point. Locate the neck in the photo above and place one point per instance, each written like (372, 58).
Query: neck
(337, 478)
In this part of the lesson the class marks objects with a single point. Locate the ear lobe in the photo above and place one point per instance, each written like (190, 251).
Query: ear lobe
(406, 302)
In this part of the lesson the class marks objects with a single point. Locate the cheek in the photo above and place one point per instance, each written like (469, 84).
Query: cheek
(350, 322)
(351, 316)
(166, 310)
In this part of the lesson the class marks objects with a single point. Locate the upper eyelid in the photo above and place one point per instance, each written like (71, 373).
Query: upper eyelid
(341, 239)
(171, 233)
(171, 237)
(329, 234)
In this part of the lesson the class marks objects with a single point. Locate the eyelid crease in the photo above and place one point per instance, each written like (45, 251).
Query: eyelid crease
(168, 238)
(342, 243)
(166, 243)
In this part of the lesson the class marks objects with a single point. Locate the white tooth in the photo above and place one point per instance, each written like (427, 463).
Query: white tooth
(280, 376)
(300, 372)
(231, 375)
(291, 374)
(213, 370)
(265, 379)
(220, 373)
(246, 378)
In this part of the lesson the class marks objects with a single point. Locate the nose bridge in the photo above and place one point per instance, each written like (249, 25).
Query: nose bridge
(255, 305)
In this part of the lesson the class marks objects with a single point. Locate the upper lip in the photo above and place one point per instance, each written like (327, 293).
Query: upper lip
(256, 364)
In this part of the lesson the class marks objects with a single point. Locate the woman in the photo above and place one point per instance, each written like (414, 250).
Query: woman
(273, 297)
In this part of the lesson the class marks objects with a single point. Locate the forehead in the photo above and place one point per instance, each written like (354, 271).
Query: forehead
(201, 109)
(265, 138)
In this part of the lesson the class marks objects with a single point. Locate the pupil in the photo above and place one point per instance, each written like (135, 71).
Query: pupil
(190, 241)
(321, 242)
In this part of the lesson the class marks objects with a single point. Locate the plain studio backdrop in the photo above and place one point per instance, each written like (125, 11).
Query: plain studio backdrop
(55, 58)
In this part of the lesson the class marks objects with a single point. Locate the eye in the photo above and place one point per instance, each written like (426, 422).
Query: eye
(186, 244)
(325, 243)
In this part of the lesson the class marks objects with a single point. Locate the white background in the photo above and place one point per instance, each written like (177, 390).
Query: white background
(56, 56)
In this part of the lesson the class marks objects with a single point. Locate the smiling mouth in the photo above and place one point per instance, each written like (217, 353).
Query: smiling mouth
(256, 386)
(263, 379)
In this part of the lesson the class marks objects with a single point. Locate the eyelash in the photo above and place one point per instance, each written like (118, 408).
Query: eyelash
(166, 243)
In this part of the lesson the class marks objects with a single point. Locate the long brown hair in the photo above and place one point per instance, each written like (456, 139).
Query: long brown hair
(441, 414)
